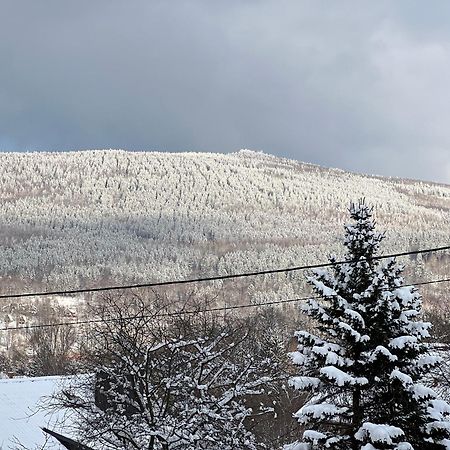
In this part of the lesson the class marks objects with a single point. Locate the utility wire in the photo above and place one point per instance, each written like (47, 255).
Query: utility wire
(218, 277)
(179, 313)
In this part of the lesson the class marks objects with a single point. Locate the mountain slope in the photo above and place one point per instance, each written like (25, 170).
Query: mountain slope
(89, 218)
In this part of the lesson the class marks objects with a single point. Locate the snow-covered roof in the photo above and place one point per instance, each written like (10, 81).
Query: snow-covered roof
(20, 418)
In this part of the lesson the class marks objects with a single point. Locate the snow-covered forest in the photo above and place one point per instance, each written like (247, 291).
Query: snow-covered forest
(84, 218)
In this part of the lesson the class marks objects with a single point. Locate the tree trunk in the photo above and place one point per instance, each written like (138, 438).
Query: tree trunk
(357, 417)
(164, 444)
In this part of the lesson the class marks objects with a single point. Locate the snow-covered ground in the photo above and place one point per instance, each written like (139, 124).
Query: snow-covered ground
(20, 417)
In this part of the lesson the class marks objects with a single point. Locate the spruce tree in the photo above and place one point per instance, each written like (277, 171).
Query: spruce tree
(364, 364)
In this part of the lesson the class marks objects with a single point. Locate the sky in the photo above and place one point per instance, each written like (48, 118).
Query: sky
(359, 85)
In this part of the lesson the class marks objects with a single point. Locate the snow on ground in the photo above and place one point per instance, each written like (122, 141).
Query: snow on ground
(20, 418)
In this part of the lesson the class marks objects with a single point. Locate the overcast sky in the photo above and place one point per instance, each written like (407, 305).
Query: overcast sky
(360, 85)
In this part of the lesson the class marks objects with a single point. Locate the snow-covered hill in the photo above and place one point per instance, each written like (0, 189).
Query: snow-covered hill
(88, 218)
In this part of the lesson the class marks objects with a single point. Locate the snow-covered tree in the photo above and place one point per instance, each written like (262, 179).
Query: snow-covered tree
(171, 382)
(365, 364)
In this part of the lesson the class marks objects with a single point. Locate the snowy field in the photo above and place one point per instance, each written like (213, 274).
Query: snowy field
(20, 418)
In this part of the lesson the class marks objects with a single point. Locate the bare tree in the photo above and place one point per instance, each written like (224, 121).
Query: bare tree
(164, 380)
(51, 346)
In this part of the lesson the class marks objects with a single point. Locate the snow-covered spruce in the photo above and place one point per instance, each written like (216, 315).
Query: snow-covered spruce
(364, 366)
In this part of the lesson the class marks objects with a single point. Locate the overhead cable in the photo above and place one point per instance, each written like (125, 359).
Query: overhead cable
(190, 312)
(217, 277)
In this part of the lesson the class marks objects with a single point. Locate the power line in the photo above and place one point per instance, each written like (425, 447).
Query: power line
(218, 277)
(178, 313)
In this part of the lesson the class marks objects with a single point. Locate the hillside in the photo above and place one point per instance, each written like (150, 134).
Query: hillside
(94, 217)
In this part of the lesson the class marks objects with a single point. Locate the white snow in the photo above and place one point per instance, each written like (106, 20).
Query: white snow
(20, 418)
(356, 316)
(341, 378)
(402, 341)
(302, 383)
(298, 358)
(320, 411)
(405, 379)
(438, 409)
(380, 350)
(314, 436)
(297, 446)
(404, 446)
(421, 391)
(378, 433)
(324, 290)
(368, 447)
(405, 294)
(429, 360)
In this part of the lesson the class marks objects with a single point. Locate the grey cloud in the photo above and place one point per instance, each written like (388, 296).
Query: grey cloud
(357, 85)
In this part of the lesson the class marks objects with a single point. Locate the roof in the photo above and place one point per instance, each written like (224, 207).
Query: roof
(67, 442)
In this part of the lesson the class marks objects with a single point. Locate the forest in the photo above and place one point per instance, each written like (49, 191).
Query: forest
(82, 218)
